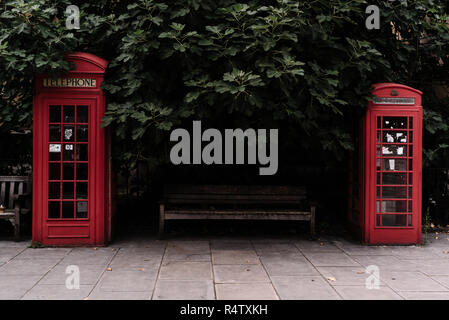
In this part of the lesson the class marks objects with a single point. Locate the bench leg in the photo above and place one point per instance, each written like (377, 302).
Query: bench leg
(312, 221)
(17, 224)
(161, 220)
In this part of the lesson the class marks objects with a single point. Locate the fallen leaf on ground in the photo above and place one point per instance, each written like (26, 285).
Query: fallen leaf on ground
(331, 279)
(109, 269)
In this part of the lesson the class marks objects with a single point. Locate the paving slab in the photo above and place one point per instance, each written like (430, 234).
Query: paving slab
(362, 293)
(444, 280)
(44, 253)
(317, 246)
(184, 290)
(410, 281)
(413, 253)
(132, 281)
(57, 292)
(304, 288)
(240, 273)
(7, 254)
(231, 245)
(245, 291)
(346, 276)
(386, 263)
(357, 249)
(89, 274)
(188, 251)
(99, 256)
(27, 267)
(185, 270)
(13, 287)
(410, 295)
(288, 266)
(277, 247)
(330, 259)
(97, 294)
(234, 257)
(430, 267)
(14, 244)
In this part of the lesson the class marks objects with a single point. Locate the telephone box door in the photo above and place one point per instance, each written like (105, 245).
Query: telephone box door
(397, 172)
(70, 203)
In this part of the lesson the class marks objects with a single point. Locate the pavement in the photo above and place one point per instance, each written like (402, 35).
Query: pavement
(227, 269)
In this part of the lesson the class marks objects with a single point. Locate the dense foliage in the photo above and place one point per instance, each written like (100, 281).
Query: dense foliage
(303, 66)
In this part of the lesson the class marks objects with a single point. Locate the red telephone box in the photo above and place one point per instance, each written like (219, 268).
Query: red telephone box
(391, 166)
(71, 158)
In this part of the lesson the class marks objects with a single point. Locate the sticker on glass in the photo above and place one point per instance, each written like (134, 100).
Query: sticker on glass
(69, 146)
(68, 133)
(55, 148)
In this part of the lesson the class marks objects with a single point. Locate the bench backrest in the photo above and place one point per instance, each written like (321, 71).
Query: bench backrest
(12, 186)
(230, 194)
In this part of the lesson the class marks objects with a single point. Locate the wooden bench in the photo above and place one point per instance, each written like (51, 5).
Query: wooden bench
(13, 190)
(185, 202)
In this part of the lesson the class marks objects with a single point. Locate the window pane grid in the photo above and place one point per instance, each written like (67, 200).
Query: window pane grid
(68, 196)
(394, 173)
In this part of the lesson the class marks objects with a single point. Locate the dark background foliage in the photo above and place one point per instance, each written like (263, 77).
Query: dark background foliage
(305, 67)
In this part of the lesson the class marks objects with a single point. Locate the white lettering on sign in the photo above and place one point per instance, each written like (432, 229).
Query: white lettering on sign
(388, 100)
(69, 82)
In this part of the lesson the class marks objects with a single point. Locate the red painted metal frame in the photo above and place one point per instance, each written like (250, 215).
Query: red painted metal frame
(96, 229)
(371, 233)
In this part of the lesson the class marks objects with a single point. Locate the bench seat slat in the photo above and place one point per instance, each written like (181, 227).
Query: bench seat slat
(245, 216)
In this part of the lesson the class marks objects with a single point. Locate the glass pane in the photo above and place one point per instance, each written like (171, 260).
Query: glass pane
(378, 164)
(55, 113)
(410, 178)
(81, 133)
(67, 209)
(81, 190)
(378, 151)
(82, 114)
(378, 122)
(54, 154)
(394, 206)
(410, 136)
(394, 178)
(394, 150)
(69, 114)
(68, 171)
(378, 178)
(394, 136)
(67, 190)
(410, 164)
(54, 171)
(81, 152)
(68, 153)
(410, 151)
(394, 165)
(378, 220)
(68, 133)
(81, 209)
(378, 192)
(410, 192)
(378, 136)
(410, 206)
(81, 171)
(54, 190)
(377, 206)
(54, 133)
(409, 220)
(395, 123)
(53, 209)
(394, 192)
(410, 122)
(394, 220)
